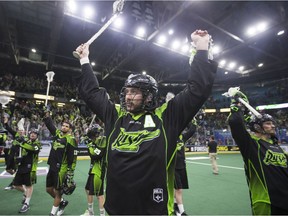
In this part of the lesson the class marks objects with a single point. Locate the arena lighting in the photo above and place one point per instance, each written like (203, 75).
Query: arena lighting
(141, 32)
(171, 32)
(216, 50)
(272, 106)
(118, 23)
(71, 6)
(60, 104)
(185, 48)
(175, 44)
(9, 93)
(225, 110)
(281, 32)
(209, 110)
(42, 97)
(231, 65)
(222, 62)
(241, 68)
(88, 12)
(39, 101)
(161, 39)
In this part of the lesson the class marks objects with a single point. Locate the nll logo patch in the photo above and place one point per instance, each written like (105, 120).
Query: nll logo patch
(158, 195)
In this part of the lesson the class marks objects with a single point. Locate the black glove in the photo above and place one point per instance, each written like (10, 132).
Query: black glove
(236, 104)
(69, 177)
(18, 160)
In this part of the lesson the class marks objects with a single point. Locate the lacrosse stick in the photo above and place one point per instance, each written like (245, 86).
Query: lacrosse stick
(50, 76)
(4, 99)
(117, 9)
(94, 116)
(233, 91)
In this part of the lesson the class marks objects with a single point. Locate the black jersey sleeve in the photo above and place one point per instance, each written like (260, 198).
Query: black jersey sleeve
(238, 130)
(189, 133)
(49, 124)
(183, 107)
(95, 97)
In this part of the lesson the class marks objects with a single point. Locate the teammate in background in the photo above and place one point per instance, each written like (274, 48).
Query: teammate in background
(181, 179)
(266, 165)
(212, 150)
(141, 136)
(62, 161)
(25, 178)
(96, 144)
(4, 141)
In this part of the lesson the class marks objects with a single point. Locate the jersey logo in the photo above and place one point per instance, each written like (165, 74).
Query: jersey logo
(275, 158)
(57, 145)
(131, 141)
(149, 122)
(158, 195)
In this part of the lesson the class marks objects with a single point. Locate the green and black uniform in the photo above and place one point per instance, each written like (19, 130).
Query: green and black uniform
(96, 150)
(265, 167)
(62, 157)
(181, 179)
(141, 148)
(28, 162)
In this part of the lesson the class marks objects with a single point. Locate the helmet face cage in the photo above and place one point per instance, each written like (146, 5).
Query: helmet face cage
(148, 87)
(94, 131)
(256, 124)
(33, 130)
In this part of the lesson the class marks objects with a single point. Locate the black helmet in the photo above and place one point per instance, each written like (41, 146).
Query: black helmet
(33, 130)
(94, 130)
(256, 124)
(147, 84)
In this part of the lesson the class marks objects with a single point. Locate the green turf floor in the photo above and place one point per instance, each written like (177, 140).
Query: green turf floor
(224, 194)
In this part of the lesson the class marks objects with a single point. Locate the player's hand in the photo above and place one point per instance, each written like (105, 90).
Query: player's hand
(238, 95)
(201, 39)
(83, 50)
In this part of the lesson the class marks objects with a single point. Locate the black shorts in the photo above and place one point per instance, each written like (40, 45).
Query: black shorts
(26, 179)
(181, 180)
(94, 185)
(55, 179)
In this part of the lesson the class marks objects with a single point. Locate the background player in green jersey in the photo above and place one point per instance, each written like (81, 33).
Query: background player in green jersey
(266, 165)
(62, 162)
(96, 144)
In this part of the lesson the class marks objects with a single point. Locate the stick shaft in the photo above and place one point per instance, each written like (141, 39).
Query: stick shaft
(103, 28)
(47, 93)
(94, 116)
(257, 114)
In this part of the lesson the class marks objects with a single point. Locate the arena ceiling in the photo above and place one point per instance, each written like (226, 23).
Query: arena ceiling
(54, 32)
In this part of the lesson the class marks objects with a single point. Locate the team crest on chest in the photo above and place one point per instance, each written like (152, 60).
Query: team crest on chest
(158, 195)
(131, 141)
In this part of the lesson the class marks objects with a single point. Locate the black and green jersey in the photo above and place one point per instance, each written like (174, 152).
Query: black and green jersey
(29, 152)
(141, 148)
(96, 152)
(63, 153)
(180, 157)
(265, 165)
(3, 138)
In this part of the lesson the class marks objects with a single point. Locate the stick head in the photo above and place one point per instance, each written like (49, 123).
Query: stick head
(118, 6)
(231, 92)
(50, 75)
(76, 54)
